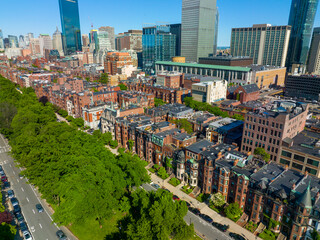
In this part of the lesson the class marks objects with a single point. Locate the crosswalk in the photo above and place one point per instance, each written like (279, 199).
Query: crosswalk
(5, 149)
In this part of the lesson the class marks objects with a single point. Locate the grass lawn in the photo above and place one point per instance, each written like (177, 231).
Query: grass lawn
(186, 190)
(90, 229)
(152, 170)
(196, 237)
(268, 235)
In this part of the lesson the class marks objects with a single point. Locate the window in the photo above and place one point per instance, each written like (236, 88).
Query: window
(286, 154)
(311, 171)
(313, 162)
(298, 158)
(297, 166)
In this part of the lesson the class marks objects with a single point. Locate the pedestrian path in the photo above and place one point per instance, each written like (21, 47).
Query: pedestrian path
(204, 208)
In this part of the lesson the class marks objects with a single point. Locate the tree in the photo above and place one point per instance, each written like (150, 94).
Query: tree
(238, 117)
(63, 113)
(233, 211)
(44, 100)
(7, 231)
(79, 122)
(162, 173)
(6, 217)
(218, 200)
(113, 144)
(155, 216)
(7, 113)
(130, 144)
(69, 118)
(168, 164)
(315, 235)
(184, 124)
(123, 87)
(104, 78)
(262, 154)
(158, 102)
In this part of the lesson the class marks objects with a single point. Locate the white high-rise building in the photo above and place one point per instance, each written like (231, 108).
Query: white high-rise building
(45, 43)
(199, 31)
(57, 42)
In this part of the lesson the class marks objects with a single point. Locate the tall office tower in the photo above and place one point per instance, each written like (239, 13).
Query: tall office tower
(35, 46)
(13, 41)
(30, 35)
(301, 19)
(22, 43)
(104, 42)
(85, 40)
(216, 28)
(111, 35)
(131, 40)
(313, 65)
(70, 22)
(1, 40)
(198, 28)
(57, 41)
(6, 43)
(176, 30)
(266, 44)
(158, 44)
(45, 41)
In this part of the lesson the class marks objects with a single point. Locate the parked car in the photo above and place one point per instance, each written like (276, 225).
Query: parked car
(20, 218)
(206, 218)
(237, 236)
(14, 201)
(2, 172)
(23, 227)
(6, 185)
(27, 236)
(196, 211)
(175, 197)
(4, 179)
(220, 226)
(61, 235)
(39, 208)
(10, 194)
(156, 186)
(16, 209)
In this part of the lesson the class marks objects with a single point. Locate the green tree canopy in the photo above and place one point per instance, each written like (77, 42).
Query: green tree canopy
(158, 102)
(104, 78)
(261, 152)
(123, 87)
(233, 211)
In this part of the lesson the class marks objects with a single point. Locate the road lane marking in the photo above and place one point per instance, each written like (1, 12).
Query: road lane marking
(33, 211)
(40, 225)
(32, 229)
(17, 180)
(22, 189)
(27, 199)
(14, 172)
(10, 165)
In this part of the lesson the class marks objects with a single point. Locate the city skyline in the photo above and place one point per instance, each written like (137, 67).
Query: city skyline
(136, 15)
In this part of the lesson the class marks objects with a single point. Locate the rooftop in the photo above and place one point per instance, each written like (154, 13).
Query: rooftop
(307, 142)
(237, 69)
(198, 147)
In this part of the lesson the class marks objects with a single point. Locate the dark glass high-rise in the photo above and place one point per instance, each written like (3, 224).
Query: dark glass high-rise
(70, 24)
(301, 19)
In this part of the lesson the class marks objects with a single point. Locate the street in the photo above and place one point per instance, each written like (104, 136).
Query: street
(40, 224)
(200, 226)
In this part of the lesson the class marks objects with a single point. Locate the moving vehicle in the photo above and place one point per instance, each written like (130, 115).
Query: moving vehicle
(61, 235)
(39, 208)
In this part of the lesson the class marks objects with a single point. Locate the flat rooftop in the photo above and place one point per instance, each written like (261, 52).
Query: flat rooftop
(307, 142)
(208, 66)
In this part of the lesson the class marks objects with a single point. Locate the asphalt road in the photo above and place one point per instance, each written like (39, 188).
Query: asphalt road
(40, 224)
(206, 230)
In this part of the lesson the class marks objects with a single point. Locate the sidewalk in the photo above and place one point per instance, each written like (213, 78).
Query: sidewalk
(204, 208)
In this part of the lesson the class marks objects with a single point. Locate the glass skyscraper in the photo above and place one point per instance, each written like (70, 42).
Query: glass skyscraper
(301, 19)
(70, 23)
(199, 29)
(176, 30)
(158, 44)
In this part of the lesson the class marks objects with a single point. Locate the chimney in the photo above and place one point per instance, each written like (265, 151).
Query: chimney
(287, 167)
(203, 149)
(235, 162)
(293, 186)
(219, 155)
(229, 149)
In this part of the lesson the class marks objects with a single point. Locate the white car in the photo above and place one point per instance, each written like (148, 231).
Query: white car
(27, 236)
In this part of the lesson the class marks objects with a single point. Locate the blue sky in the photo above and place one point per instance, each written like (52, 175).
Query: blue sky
(42, 16)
